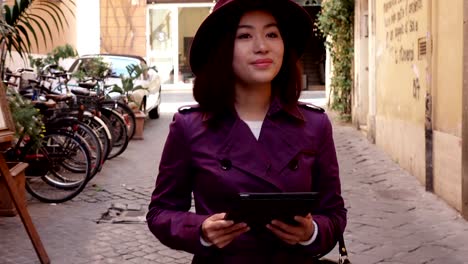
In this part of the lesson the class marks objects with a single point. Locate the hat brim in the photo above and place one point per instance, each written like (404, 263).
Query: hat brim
(293, 19)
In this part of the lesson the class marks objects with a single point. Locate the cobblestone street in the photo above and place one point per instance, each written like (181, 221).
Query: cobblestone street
(391, 219)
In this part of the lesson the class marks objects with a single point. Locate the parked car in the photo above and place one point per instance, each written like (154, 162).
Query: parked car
(149, 98)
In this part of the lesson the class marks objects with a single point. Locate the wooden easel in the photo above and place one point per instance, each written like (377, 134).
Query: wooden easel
(23, 212)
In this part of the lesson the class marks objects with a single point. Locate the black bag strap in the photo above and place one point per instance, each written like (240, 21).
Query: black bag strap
(343, 252)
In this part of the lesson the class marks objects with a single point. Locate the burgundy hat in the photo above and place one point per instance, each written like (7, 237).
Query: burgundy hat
(294, 21)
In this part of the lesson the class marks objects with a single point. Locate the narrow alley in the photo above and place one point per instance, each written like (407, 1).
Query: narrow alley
(391, 218)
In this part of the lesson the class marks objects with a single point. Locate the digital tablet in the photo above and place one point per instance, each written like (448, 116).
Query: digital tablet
(258, 209)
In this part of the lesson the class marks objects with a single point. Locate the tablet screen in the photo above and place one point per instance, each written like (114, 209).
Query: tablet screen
(258, 209)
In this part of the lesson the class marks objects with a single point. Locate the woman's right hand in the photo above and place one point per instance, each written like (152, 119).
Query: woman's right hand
(221, 232)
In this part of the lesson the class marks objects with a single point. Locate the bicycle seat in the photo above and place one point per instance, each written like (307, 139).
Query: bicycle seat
(32, 81)
(58, 97)
(47, 104)
(87, 85)
(80, 91)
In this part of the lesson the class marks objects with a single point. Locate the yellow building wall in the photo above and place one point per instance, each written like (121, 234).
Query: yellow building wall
(404, 74)
(123, 27)
(401, 82)
(447, 23)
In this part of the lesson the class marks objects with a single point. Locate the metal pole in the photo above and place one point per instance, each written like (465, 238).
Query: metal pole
(428, 131)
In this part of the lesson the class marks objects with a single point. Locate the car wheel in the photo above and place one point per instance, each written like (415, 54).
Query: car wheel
(154, 113)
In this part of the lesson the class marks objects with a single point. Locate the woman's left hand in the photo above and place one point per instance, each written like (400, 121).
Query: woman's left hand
(293, 234)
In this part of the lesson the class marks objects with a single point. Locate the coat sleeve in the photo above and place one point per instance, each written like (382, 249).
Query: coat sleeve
(331, 214)
(168, 217)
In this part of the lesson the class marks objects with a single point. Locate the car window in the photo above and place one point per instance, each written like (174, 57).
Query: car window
(118, 64)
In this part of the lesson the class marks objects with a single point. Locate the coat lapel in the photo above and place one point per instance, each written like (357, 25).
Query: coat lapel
(264, 159)
(282, 143)
(242, 150)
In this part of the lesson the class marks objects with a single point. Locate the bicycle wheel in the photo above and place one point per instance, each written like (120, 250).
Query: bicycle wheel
(103, 132)
(46, 177)
(116, 125)
(73, 125)
(125, 111)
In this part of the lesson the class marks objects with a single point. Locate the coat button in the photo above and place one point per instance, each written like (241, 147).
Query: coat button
(226, 164)
(293, 164)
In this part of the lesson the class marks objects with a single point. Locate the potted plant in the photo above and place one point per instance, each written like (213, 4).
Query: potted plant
(128, 86)
(53, 58)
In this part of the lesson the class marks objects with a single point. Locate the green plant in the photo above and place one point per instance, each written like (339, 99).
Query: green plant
(128, 86)
(19, 24)
(59, 52)
(27, 119)
(94, 68)
(336, 22)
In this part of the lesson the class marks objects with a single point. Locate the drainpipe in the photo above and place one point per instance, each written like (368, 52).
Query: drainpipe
(428, 128)
(465, 114)
(372, 64)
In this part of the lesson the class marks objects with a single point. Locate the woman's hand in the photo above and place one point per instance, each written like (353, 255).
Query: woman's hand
(293, 234)
(221, 232)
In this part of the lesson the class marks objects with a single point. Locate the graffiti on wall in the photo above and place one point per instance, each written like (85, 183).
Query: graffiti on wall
(399, 22)
(416, 83)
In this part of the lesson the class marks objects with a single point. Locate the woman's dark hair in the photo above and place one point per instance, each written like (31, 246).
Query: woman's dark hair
(214, 85)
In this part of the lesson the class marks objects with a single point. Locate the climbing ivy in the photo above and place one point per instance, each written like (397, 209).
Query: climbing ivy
(336, 22)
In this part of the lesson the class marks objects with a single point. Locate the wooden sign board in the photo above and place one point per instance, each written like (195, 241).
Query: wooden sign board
(7, 127)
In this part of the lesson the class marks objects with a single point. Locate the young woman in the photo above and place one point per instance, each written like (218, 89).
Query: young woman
(248, 133)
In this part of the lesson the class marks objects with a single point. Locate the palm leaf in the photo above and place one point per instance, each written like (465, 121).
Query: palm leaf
(56, 10)
(33, 17)
(28, 25)
(29, 19)
(7, 14)
(21, 17)
(19, 21)
(58, 24)
(25, 34)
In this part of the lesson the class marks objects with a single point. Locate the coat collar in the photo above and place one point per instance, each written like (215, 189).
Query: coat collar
(276, 107)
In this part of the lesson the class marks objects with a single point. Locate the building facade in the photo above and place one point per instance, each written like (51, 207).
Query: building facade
(160, 31)
(410, 89)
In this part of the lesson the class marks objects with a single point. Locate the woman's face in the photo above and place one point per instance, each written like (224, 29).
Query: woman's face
(258, 49)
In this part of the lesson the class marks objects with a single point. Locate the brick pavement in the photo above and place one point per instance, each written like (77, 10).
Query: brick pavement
(391, 218)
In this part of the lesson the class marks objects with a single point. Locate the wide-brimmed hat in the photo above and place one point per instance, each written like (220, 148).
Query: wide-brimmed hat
(295, 22)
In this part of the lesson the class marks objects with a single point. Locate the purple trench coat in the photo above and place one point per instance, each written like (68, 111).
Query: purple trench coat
(295, 152)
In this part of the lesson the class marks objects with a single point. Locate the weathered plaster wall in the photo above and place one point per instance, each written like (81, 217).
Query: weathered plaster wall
(401, 81)
(406, 70)
(447, 20)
